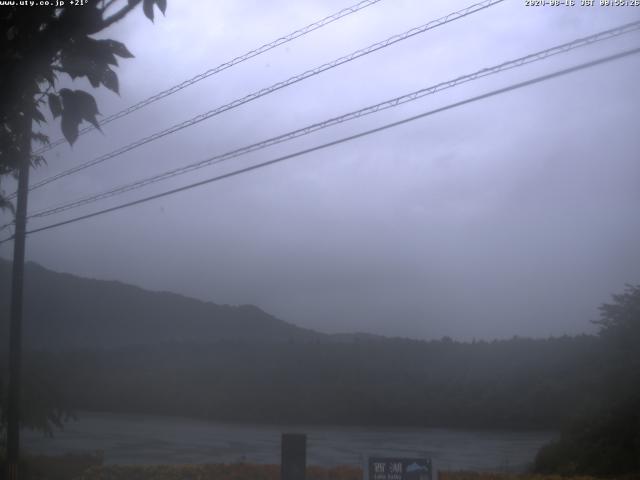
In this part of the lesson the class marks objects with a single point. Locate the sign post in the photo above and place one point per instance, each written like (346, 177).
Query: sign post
(294, 456)
(384, 468)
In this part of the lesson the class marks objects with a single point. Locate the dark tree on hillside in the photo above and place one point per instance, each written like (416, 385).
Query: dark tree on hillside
(620, 334)
(607, 442)
(620, 322)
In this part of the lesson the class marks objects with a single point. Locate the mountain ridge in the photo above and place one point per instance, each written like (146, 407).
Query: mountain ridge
(62, 310)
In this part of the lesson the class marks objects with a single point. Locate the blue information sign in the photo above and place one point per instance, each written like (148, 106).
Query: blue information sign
(382, 468)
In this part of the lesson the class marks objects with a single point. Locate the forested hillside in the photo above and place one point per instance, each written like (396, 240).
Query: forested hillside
(96, 345)
(66, 311)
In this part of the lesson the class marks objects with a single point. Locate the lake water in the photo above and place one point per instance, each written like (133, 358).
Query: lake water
(142, 439)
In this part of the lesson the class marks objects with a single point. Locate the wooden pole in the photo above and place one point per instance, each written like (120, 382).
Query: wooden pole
(17, 283)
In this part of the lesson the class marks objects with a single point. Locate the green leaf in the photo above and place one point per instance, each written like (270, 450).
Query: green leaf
(69, 128)
(94, 78)
(119, 49)
(37, 116)
(85, 56)
(110, 80)
(104, 53)
(147, 8)
(162, 5)
(77, 105)
(72, 65)
(87, 107)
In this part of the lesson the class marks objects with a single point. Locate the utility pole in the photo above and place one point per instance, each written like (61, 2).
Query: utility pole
(17, 283)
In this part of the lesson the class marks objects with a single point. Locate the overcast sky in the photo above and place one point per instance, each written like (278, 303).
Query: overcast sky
(515, 215)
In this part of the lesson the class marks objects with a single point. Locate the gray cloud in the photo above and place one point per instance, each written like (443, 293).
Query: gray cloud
(512, 216)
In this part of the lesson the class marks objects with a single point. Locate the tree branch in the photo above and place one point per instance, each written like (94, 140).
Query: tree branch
(106, 5)
(120, 14)
(43, 94)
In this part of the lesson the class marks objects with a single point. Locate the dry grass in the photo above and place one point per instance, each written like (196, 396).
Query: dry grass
(521, 476)
(89, 467)
(272, 472)
(213, 472)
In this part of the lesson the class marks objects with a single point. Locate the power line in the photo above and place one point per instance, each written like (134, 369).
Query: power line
(223, 66)
(493, 93)
(521, 61)
(277, 86)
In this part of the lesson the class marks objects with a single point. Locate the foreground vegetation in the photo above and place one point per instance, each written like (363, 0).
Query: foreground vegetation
(606, 440)
(89, 467)
(272, 472)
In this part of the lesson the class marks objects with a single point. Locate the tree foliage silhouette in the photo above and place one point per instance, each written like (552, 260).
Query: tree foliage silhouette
(607, 441)
(37, 46)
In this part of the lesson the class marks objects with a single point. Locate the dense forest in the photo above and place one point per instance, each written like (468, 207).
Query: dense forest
(509, 384)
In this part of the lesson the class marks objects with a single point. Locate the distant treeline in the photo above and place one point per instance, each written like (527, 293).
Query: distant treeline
(519, 383)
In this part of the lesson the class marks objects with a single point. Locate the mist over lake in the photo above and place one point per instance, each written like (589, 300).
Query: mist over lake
(145, 439)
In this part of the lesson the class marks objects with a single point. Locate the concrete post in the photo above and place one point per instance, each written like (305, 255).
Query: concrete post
(293, 463)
